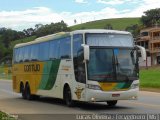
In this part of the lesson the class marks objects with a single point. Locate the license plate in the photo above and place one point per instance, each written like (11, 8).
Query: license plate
(115, 95)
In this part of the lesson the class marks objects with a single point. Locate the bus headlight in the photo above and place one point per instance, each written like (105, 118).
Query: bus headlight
(95, 87)
(134, 86)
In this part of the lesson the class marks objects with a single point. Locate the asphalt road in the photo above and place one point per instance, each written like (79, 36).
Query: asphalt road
(49, 108)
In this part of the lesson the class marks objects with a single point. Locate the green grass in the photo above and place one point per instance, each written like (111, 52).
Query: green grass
(3, 75)
(150, 78)
(27, 39)
(1, 69)
(117, 23)
(4, 116)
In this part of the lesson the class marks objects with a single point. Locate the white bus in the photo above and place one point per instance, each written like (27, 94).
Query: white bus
(83, 65)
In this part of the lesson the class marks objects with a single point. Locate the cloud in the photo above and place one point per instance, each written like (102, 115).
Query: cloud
(143, 6)
(28, 18)
(20, 20)
(81, 1)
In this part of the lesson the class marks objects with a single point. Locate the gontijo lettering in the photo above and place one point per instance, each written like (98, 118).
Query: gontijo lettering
(32, 68)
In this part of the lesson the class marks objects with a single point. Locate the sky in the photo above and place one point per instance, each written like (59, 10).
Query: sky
(23, 14)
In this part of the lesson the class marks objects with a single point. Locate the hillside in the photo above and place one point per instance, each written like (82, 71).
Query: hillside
(117, 24)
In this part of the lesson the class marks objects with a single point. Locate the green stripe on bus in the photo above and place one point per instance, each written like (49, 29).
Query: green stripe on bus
(49, 74)
(127, 84)
(119, 85)
(44, 76)
(123, 85)
(52, 73)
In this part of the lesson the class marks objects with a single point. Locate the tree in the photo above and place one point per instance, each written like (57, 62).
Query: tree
(37, 26)
(29, 32)
(8, 36)
(2, 51)
(52, 28)
(134, 29)
(75, 21)
(2, 30)
(151, 17)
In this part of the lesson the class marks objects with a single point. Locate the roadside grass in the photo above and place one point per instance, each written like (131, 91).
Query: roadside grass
(1, 69)
(150, 78)
(5, 75)
(4, 116)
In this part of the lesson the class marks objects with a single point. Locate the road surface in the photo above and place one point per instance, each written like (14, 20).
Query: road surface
(45, 108)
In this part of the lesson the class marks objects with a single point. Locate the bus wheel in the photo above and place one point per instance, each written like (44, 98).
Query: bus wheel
(112, 103)
(68, 97)
(22, 90)
(28, 92)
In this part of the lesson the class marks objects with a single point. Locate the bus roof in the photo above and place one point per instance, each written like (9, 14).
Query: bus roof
(63, 34)
(44, 38)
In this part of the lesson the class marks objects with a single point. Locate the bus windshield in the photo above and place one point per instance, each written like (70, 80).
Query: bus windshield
(110, 64)
(100, 65)
(112, 57)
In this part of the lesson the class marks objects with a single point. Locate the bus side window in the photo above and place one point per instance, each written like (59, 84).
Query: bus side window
(65, 48)
(34, 52)
(54, 50)
(27, 50)
(79, 66)
(16, 55)
(20, 55)
(44, 51)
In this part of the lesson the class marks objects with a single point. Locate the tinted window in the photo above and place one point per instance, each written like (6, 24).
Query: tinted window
(79, 66)
(20, 54)
(27, 52)
(34, 52)
(16, 55)
(77, 41)
(54, 49)
(65, 47)
(44, 51)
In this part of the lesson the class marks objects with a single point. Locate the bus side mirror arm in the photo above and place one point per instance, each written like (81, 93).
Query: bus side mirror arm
(86, 52)
(143, 52)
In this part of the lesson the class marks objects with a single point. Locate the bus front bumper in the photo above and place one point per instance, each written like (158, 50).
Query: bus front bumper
(100, 96)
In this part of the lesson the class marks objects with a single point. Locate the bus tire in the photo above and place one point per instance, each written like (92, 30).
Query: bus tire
(22, 90)
(68, 97)
(28, 92)
(112, 103)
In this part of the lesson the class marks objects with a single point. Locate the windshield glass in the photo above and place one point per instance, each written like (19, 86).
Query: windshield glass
(105, 39)
(125, 62)
(110, 64)
(100, 66)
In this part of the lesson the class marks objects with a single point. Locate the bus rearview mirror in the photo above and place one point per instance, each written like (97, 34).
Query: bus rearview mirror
(86, 51)
(143, 52)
